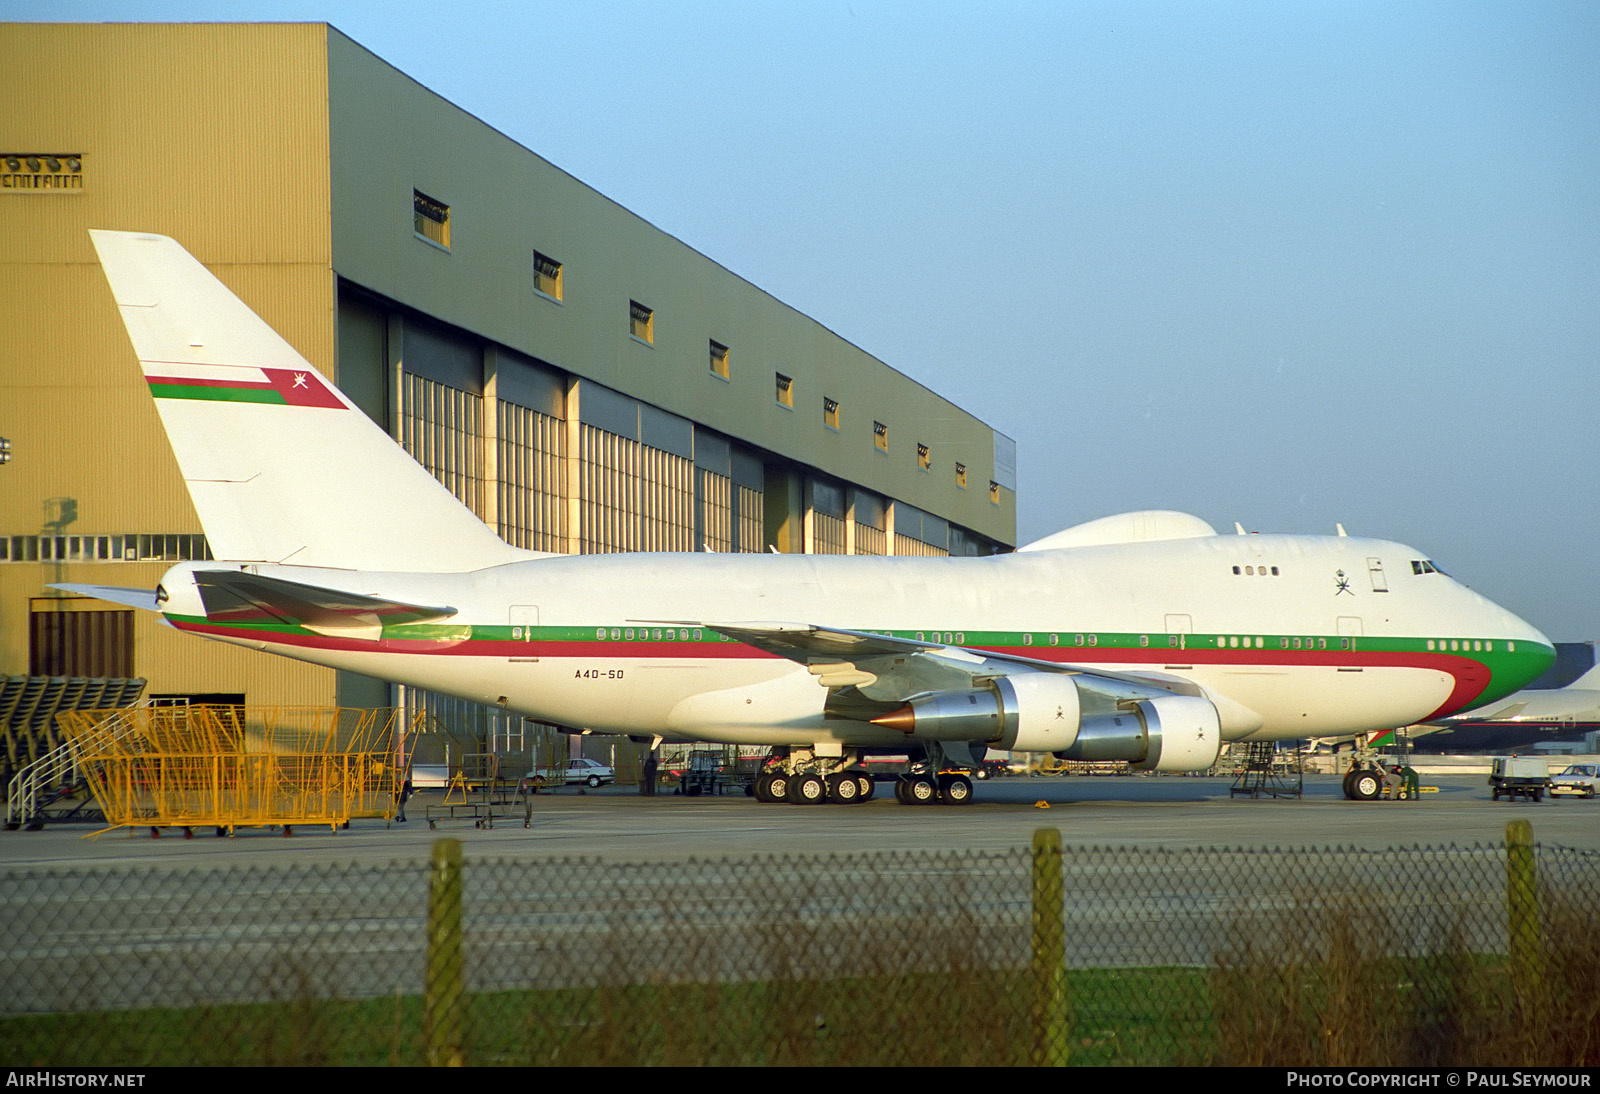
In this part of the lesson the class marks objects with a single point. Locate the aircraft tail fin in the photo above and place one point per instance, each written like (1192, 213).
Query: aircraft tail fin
(280, 465)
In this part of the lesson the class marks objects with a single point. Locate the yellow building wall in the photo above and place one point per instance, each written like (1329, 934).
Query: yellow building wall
(215, 135)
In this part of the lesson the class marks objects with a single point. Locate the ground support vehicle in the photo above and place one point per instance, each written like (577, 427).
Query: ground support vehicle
(1514, 777)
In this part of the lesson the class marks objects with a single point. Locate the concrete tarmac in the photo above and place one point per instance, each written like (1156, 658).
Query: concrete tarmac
(617, 825)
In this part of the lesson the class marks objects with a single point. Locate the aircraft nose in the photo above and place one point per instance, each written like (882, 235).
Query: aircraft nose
(1539, 652)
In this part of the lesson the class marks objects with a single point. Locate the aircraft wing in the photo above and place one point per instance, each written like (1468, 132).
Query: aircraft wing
(889, 669)
(133, 598)
(232, 596)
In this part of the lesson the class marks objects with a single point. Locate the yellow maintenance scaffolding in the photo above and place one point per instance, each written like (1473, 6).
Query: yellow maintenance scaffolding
(232, 767)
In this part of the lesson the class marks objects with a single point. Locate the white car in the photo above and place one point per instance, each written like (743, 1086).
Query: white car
(1580, 779)
(588, 773)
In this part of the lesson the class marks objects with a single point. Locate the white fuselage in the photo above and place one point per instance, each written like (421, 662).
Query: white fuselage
(1290, 636)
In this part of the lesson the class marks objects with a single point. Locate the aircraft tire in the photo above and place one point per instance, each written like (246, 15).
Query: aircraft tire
(843, 789)
(807, 790)
(868, 785)
(921, 790)
(1349, 790)
(900, 790)
(1366, 786)
(955, 790)
(777, 788)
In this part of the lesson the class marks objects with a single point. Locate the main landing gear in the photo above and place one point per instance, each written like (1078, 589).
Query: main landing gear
(947, 788)
(800, 777)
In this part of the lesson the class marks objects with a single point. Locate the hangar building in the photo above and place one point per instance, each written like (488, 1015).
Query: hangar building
(581, 379)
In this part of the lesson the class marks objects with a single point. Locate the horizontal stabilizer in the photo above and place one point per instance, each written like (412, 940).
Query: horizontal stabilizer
(234, 597)
(133, 598)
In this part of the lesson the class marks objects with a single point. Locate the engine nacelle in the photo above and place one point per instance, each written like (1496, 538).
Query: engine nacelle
(1043, 712)
(1029, 712)
(1170, 733)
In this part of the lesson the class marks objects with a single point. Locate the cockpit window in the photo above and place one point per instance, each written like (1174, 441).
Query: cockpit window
(1424, 566)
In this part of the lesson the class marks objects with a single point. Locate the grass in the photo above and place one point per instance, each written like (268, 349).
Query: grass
(1347, 1006)
(1122, 1016)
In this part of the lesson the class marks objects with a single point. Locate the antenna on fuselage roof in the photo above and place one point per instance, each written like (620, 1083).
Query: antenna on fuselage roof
(1340, 529)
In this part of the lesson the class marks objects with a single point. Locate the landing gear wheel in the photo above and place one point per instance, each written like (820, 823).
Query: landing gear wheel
(806, 790)
(843, 789)
(900, 791)
(920, 790)
(955, 790)
(1366, 786)
(868, 785)
(777, 787)
(1349, 788)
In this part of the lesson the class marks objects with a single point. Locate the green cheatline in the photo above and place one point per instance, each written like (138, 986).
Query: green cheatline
(217, 394)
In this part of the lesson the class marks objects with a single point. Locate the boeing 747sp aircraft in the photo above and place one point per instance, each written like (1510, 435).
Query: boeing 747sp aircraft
(1144, 637)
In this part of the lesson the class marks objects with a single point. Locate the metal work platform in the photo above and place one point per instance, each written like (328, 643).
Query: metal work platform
(229, 767)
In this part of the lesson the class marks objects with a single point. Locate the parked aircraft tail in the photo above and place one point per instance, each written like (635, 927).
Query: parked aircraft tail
(280, 465)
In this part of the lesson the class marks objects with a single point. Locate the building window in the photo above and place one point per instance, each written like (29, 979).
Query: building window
(994, 493)
(785, 390)
(719, 359)
(532, 508)
(961, 475)
(546, 276)
(880, 436)
(830, 412)
(430, 219)
(442, 428)
(641, 322)
(924, 457)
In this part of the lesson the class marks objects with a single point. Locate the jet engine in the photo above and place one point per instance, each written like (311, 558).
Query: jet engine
(1047, 712)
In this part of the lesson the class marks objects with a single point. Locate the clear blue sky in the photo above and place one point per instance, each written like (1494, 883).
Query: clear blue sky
(1286, 264)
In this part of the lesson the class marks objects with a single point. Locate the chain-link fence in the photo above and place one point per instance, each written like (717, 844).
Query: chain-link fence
(1479, 955)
